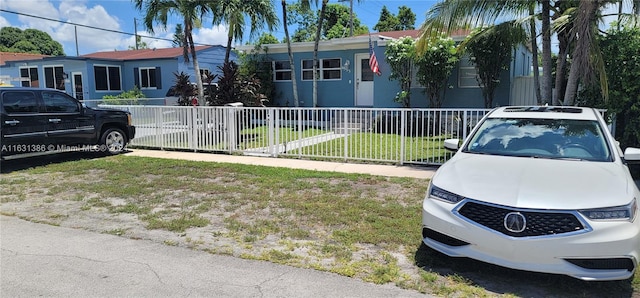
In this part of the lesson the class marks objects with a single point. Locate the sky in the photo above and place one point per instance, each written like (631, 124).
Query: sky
(119, 15)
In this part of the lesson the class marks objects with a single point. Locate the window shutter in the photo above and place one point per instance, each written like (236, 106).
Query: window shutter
(158, 78)
(136, 77)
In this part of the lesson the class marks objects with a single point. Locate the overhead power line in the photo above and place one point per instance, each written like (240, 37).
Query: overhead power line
(92, 27)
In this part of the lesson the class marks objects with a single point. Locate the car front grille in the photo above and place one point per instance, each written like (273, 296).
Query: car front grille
(537, 223)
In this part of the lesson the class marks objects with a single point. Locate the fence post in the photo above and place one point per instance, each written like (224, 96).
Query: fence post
(232, 128)
(272, 128)
(465, 124)
(158, 121)
(403, 133)
(345, 123)
(193, 136)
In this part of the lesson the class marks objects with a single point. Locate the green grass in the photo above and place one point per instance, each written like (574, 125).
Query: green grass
(310, 219)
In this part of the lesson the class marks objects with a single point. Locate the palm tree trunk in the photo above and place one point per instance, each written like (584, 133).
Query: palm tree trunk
(584, 40)
(561, 65)
(196, 69)
(291, 62)
(315, 53)
(534, 50)
(546, 52)
(227, 52)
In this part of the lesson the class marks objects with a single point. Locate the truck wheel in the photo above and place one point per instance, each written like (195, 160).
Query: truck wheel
(113, 141)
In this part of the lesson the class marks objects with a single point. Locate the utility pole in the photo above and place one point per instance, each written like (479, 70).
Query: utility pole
(135, 31)
(75, 29)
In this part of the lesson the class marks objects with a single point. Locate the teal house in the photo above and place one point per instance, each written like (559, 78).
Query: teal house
(346, 79)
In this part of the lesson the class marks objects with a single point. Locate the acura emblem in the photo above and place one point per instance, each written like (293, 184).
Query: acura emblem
(515, 222)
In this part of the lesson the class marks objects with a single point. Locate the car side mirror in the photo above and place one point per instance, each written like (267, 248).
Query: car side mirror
(452, 144)
(632, 155)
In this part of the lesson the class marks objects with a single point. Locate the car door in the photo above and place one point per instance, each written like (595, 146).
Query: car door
(23, 126)
(66, 122)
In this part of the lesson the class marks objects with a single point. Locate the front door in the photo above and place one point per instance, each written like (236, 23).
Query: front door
(364, 81)
(78, 91)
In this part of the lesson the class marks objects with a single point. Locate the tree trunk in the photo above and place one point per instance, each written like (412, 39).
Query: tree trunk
(546, 52)
(580, 64)
(291, 62)
(534, 50)
(315, 53)
(227, 52)
(196, 67)
(561, 65)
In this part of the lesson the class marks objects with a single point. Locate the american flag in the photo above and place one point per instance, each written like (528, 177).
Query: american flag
(373, 62)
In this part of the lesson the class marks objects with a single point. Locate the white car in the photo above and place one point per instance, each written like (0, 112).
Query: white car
(544, 189)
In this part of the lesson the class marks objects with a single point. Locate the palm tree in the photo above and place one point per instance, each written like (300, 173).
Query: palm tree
(304, 4)
(315, 52)
(191, 11)
(234, 13)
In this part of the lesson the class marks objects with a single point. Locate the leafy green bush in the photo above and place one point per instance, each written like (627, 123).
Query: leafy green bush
(125, 98)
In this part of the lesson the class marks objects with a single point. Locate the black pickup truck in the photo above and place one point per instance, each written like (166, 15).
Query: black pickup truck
(37, 120)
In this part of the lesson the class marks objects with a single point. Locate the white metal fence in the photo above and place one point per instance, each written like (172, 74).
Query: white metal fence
(401, 136)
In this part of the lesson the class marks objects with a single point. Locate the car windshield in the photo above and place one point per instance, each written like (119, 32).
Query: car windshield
(542, 138)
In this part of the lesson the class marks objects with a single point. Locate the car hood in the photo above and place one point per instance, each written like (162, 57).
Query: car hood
(536, 183)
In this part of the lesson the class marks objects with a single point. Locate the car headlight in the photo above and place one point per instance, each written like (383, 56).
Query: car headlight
(443, 195)
(626, 212)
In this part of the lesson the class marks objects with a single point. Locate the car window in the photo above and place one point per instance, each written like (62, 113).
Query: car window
(56, 102)
(19, 102)
(547, 138)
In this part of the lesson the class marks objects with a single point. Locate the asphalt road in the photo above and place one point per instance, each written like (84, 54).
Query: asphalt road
(43, 260)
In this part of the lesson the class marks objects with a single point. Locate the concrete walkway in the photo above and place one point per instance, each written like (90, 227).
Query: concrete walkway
(372, 169)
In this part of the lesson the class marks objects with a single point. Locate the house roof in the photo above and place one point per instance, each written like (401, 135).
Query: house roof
(141, 54)
(9, 56)
(354, 42)
(416, 34)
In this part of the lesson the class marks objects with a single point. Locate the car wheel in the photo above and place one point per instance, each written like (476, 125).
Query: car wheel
(113, 141)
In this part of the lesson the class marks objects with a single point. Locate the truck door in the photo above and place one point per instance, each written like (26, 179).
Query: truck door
(23, 127)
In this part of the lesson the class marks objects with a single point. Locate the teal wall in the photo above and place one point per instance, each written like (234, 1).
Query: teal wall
(340, 93)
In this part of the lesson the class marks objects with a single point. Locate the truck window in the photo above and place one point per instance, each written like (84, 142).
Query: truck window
(19, 102)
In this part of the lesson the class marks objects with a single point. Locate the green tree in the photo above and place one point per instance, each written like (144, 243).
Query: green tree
(191, 12)
(435, 66)
(306, 20)
(29, 41)
(624, 103)
(337, 22)
(178, 37)
(266, 38)
(260, 13)
(387, 21)
(490, 50)
(400, 54)
(139, 44)
(406, 18)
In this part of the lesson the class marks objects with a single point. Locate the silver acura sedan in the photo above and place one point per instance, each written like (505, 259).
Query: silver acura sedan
(544, 189)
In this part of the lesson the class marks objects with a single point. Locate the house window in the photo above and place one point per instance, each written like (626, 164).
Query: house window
(107, 78)
(29, 77)
(329, 69)
(281, 71)
(54, 77)
(467, 74)
(205, 74)
(148, 78)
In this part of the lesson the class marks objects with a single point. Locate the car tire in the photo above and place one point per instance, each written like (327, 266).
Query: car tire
(113, 141)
